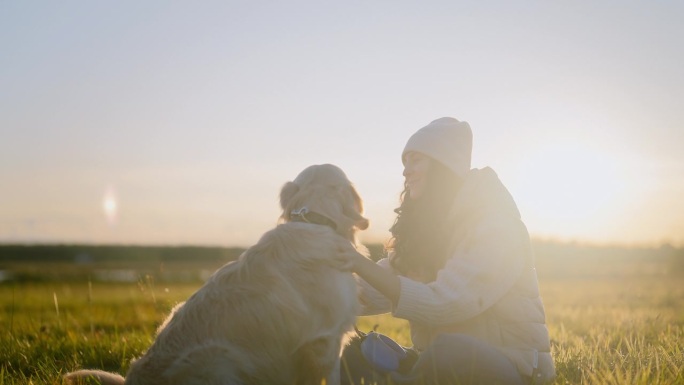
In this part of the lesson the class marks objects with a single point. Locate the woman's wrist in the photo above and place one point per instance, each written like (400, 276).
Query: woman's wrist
(383, 280)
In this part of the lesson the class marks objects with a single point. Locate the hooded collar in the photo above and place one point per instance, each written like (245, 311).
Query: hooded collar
(482, 192)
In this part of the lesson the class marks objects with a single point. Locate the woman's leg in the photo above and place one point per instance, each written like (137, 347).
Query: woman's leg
(355, 369)
(461, 359)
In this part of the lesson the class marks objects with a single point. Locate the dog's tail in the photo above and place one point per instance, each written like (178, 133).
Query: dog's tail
(85, 377)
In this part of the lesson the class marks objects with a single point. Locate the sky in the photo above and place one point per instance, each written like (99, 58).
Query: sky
(177, 123)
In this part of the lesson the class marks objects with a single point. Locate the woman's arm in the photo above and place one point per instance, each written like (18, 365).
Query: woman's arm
(383, 280)
(482, 270)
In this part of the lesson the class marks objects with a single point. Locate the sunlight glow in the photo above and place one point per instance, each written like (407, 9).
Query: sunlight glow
(572, 188)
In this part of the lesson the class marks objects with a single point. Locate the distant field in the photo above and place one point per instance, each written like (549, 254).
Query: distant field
(622, 325)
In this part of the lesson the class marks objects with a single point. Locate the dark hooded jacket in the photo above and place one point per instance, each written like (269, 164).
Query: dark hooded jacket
(488, 287)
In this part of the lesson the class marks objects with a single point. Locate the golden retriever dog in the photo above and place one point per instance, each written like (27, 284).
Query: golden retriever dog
(277, 315)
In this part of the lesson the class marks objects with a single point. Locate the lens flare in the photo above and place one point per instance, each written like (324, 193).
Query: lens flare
(110, 207)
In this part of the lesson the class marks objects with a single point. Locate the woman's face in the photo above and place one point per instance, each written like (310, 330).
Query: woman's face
(416, 167)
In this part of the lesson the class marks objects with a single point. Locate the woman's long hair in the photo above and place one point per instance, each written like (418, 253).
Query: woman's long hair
(422, 231)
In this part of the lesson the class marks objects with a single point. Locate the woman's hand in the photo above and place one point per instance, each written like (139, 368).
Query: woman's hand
(383, 280)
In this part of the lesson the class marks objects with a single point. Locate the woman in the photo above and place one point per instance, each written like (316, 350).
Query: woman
(460, 269)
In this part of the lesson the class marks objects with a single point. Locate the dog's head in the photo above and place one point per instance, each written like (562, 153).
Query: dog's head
(325, 191)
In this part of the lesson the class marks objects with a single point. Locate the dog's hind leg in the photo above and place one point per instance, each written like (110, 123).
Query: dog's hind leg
(209, 364)
(318, 360)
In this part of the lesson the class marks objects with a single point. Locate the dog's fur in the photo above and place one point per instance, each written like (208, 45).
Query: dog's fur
(277, 315)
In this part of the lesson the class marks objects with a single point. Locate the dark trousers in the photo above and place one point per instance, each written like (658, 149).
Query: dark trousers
(451, 359)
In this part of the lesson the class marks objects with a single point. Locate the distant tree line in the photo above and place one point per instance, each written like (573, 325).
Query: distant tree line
(106, 253)
(559, 259)
(552, 260)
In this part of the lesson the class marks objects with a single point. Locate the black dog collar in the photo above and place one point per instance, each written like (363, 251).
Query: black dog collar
(304, 215)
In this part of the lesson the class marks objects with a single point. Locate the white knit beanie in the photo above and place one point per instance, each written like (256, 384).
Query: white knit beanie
(445, 140)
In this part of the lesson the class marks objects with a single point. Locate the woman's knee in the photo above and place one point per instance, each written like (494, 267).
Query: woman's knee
(459, 358)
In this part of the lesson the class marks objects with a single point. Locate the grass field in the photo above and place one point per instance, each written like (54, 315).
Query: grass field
(607, 329)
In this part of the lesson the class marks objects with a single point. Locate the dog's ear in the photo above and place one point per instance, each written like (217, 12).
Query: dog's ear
(362, 223)
(287, 193)
(353, 207)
